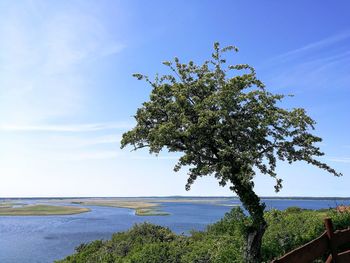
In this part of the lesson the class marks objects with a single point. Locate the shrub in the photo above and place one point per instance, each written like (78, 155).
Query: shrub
(222, 242)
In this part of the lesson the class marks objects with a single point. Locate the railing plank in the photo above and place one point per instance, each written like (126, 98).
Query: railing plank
(307, 253)
(342, 237)
(344, 257)
(330, 233)
(329, 241)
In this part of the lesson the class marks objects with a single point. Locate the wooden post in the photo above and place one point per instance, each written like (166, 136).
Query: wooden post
(330, 233)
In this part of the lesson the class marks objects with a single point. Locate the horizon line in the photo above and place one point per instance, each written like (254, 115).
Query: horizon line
(176, 196)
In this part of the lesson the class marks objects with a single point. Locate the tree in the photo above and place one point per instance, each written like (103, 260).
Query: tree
(226, 124)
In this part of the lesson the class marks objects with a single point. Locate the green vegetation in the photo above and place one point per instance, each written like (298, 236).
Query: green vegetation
(9, 204)
(141, 207)
(225, 123)
(150, 212)
(222, 242)
(36, 210)
(6, 205)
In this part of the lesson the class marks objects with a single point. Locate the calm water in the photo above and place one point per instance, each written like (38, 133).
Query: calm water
(47, 238)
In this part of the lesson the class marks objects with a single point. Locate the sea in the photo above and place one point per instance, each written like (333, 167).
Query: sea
(41, 239)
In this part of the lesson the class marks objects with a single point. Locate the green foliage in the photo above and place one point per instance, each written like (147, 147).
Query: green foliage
(222, 242)
(234, 223)
(224, 122)
(152, 252)
(290, 229)
(293, 209)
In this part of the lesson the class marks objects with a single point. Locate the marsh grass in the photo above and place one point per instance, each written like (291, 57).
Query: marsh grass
(150, 212)
(36, 210)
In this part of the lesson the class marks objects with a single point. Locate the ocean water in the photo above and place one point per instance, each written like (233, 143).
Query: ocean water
(40, 239)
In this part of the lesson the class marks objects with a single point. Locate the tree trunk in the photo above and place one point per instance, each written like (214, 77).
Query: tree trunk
(252, 253)
(254, 232)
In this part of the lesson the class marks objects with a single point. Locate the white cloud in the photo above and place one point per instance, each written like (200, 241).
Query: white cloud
(44, 55)
(324, 64)
(339, 159)
(314, 46)
(70, 142)
(90, 127)
(89, 155)
(107, 139)
(154, 157)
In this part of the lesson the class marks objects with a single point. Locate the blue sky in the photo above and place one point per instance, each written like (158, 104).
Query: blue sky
(67, 95)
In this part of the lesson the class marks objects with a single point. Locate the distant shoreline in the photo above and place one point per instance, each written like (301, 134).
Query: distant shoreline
(183, 197)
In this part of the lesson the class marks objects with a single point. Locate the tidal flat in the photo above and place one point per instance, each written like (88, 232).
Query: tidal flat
(144, 206)
(141, 207)
(138, 204)
(40, 210)
(142, 202)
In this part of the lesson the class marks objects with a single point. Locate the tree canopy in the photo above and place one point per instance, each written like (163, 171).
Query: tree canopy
(225, 123)
(219, 119)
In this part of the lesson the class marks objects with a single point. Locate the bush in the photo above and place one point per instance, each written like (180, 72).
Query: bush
(222, 242)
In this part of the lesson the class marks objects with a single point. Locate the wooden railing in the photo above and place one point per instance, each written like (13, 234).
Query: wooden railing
(328, 242)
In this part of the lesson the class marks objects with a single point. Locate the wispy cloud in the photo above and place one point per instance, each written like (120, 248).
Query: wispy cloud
(153, 157)
(90, 155)
(314, 46)
(107, 139)
(61, 146)
(45, 51)
(340, 159)
(323, 64)
(69, 142)
(91, 127)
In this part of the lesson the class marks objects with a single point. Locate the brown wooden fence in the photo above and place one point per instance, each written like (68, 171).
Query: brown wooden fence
(328, 242)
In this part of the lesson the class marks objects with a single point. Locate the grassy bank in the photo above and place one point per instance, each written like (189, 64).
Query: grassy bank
(150, 212)
(141, 207)
(222, 242)
(42, 210)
